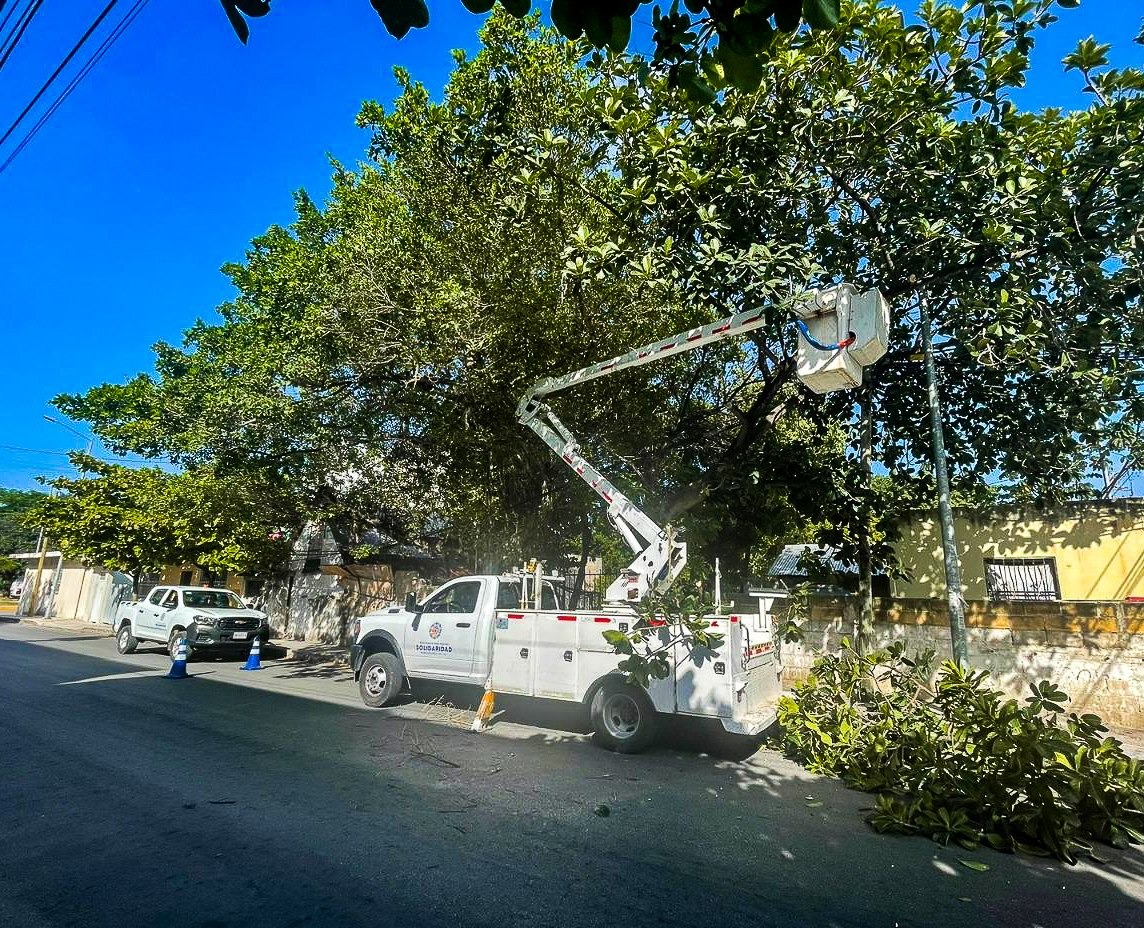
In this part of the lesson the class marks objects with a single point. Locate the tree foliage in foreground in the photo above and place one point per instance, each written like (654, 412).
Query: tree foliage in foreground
(708, 45)
(952, 759)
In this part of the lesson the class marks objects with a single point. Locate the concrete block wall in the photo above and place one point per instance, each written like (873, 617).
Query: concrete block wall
(1094, 651)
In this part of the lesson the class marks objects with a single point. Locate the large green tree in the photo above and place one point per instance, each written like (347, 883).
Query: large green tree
(543, 215)
(889, 154)
(15, 535)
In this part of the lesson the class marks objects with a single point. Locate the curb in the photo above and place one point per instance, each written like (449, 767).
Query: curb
(304, 653)
(63, 625)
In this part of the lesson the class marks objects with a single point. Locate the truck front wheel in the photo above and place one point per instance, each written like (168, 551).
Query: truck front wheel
(380, 679)
(125, 642)
(623, 718)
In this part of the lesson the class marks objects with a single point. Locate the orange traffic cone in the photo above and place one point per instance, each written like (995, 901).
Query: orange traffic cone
(485, 710)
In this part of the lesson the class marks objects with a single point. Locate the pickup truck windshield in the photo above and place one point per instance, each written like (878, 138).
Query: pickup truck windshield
(212, 599)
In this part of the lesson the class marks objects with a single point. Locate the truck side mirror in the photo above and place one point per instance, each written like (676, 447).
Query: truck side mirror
(410, 603)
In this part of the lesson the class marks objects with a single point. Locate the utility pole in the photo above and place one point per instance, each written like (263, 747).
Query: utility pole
(865, 561)
(944, 509)
(41, 547)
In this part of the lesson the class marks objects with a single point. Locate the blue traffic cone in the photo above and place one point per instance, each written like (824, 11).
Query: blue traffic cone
(178, 669)
(254, 662)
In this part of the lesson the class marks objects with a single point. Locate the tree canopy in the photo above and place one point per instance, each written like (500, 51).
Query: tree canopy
(142, 519)
(548, 212)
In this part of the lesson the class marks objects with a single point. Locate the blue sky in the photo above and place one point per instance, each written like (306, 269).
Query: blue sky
(182, 145)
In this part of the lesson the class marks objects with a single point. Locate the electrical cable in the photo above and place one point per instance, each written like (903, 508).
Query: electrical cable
(845, 343)
(89, 65)
(56, 73)
(4, 23)
(19, 29)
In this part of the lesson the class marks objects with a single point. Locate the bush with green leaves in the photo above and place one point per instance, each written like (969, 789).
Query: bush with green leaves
(954, 759)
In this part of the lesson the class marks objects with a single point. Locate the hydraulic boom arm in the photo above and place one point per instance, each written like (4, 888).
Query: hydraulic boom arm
(659, 556)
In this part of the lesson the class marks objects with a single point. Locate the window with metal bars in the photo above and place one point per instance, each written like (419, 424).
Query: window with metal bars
(1022, 578)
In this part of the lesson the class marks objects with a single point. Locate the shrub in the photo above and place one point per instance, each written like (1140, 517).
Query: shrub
(952, 758)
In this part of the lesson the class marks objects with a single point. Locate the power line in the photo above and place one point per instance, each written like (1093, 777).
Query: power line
(88, 66)
(19, 29)
(8, 16)
(116, 460)
(56, 73)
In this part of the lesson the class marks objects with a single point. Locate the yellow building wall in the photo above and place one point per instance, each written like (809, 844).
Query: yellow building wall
(1098, 547)
(172, 576)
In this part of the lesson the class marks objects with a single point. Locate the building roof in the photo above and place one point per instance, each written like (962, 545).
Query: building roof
(792, 561)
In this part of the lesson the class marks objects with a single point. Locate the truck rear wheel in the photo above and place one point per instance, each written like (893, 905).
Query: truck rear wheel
(380, 679)
(623, 718)
(125, 642)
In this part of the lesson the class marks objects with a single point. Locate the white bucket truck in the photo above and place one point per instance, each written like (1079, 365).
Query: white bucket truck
(510, 633)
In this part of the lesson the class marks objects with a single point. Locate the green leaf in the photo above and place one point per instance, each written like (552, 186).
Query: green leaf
(566, 17)
(742, 70)
(621, 33)
(973, 864)
(399, 16)
(821, 14)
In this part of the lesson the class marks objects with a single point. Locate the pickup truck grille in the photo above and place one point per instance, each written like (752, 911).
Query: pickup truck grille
(238, 623)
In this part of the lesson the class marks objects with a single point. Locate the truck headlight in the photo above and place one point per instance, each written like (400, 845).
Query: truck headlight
(204, 621)
(356, 630)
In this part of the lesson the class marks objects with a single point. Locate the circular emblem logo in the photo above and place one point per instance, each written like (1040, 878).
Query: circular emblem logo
(435, 630)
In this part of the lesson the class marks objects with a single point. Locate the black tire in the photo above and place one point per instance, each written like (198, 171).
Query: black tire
(173, 642)
(380, 679)
(623, 718)
(125, 642)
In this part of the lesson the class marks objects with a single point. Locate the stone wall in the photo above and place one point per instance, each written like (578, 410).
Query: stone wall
(1093, 650)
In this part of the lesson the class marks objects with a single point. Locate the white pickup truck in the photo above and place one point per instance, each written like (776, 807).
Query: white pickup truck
(210, 620)
(473, 629)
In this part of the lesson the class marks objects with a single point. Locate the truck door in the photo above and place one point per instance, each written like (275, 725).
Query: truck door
(442, 639)
(147, 612)
(167, 608)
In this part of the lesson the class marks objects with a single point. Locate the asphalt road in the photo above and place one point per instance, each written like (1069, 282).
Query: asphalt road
(274, 798)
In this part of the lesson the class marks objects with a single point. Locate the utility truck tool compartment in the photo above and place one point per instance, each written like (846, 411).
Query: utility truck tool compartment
(563, 655)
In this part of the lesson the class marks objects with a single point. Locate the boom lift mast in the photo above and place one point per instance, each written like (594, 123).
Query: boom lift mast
(823, 365)
(660, 556)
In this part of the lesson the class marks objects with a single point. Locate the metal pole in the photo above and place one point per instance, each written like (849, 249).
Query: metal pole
(865, 566)
(944, 509)
(41, 547)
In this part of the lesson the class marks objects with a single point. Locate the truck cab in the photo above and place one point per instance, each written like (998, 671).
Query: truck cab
(208, 619)
(446, 637)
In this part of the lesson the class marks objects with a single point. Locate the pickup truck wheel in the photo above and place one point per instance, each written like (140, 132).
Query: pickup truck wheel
(125, 642)
(380, 679)
(623, 718)
(173, 642)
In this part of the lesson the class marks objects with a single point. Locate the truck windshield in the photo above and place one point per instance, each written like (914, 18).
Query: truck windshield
(212, 599)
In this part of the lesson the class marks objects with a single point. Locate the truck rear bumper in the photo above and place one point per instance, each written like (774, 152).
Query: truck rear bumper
(751, 724)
